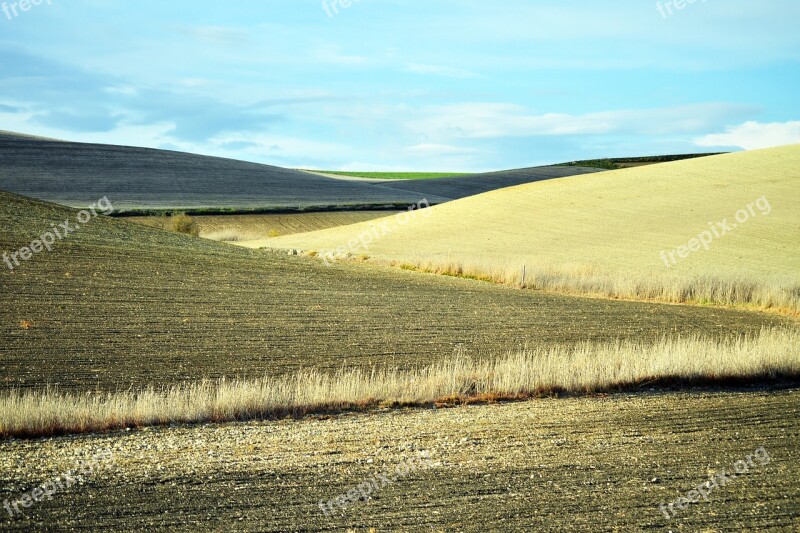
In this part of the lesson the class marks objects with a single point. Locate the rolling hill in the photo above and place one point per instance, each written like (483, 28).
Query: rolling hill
(117, 305)
(465, 186)
(614, 232)
(141, 179)
(77, 174)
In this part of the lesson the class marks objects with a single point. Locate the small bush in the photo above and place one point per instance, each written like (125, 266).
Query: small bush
(182, 223)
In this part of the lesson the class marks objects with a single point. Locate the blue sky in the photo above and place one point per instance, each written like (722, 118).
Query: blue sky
(405, 85)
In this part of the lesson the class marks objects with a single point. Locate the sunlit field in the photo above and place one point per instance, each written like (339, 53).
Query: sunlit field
(707, 230)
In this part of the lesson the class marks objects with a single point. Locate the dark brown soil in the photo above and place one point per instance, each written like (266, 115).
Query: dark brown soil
(117, 305)
(579, 464)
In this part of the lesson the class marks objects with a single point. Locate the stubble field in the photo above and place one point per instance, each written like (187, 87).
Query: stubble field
(579, 464)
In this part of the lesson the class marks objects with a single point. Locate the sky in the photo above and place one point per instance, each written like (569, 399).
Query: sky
(405, 85)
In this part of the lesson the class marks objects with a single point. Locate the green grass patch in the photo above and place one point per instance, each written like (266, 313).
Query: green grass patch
(623, 162)
(395, 175)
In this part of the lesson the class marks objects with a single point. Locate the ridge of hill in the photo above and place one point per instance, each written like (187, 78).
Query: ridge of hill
(630, 232)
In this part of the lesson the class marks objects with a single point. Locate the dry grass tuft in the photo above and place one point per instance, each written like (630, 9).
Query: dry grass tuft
(236, 235)
(777, 293)
(586, 368)
(181, 223)
(225, 235)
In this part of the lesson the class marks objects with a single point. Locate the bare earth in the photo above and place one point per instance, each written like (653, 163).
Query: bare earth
(120, 305)
(599, 464)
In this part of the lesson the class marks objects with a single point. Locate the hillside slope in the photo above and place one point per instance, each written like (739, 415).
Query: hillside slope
(77, 174)
(464, 186)
(116, 304)
(632, 222)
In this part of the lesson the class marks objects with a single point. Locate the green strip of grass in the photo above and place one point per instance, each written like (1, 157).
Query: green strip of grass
(621, 162)
(395, 175)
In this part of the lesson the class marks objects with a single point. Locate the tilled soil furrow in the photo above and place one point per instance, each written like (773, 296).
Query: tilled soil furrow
(575, 464)
(119, 305)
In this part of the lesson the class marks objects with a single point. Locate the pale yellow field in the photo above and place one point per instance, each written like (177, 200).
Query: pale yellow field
(237, 228)
(604, 233)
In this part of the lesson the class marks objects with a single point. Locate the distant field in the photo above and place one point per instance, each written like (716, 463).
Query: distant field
(465, 186)
(144, 181)
(249, 227)
(630, 162)
(137, 179)
(119, 305)
(394, 175)
(605, 233)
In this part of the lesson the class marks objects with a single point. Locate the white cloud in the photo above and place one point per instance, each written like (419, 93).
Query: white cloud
(434, 150)
(754, 135)
(195, 82)
(274, 149)
(126, 90)
(218, 35)
(148, 135)
(620, 34)
(366, 166)
(497, 120)
(333, 55)
(437, 70)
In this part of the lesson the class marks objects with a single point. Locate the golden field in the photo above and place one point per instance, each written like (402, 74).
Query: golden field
(666, 232)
